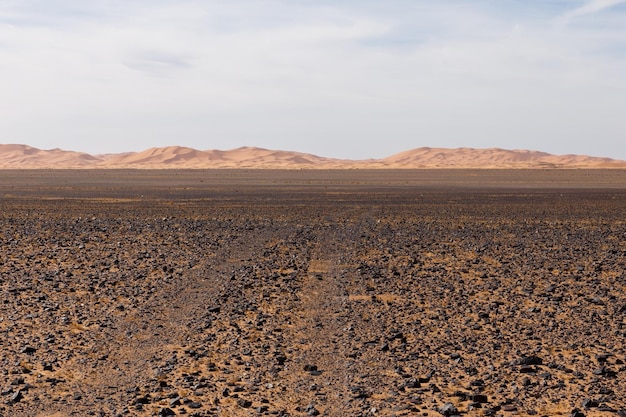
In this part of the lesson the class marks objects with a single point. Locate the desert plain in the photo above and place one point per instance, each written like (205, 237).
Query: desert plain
(303, 293)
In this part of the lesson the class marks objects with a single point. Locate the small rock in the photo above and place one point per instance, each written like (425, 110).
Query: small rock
(16, 397)
(448, 409)
(479, 398)
(530, 360)
(18, 381)
(576, 413)
(412, 383)
(311, 410)
(142, 400)
(589, 403)
(604, 371)
(243, 403)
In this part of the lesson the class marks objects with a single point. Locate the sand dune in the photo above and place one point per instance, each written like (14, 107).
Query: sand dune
(23, 156)
(493, 158)
(177, 157)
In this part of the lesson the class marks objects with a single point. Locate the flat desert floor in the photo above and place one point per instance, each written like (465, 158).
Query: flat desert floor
(303, 293)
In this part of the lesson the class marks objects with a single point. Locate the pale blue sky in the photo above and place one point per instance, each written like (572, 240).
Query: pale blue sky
(341, 78)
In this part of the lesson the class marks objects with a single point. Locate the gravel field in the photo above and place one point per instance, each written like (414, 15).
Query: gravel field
(296, 293)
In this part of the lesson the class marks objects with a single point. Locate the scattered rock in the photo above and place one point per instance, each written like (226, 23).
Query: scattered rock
(220, 298)
(576, 413)
(448, 409)
(530, 360)
(16, 397)
(243, 403)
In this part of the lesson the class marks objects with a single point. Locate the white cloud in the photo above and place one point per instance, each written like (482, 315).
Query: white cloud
(311, 76)
(590, 7)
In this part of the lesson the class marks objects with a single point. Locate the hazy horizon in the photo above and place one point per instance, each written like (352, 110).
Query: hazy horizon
(339, 79)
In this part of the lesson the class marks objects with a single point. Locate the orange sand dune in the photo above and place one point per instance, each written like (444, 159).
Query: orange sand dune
(23, 156)
(178, 157)
(493, 158)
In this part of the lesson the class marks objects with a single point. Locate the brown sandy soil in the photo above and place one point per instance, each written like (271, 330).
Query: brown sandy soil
(145, 294)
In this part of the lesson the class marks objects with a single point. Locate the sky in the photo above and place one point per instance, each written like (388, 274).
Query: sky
(343, 78)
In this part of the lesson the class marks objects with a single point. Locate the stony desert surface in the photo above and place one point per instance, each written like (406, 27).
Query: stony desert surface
(303, 293)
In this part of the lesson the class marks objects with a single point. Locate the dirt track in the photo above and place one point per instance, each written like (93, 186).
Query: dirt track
(239, 293)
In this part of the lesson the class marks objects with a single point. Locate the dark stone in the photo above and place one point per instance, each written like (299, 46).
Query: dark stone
(589, 403)
(18, 381)
(143, 400)
(166, 412)
(604, 371)
(460, 395)
(576, 413)
(479, 398)
(477, 383)
(16, 397)
(606, 391)
(412, 383)
(359, 392)
(311, 410)
(243, 403)
(29, 350)
(530, 360)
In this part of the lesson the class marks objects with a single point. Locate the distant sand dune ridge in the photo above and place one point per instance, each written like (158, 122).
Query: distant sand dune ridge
(15, 156)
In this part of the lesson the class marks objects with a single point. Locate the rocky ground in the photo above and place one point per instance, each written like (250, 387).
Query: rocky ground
(305, 301)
